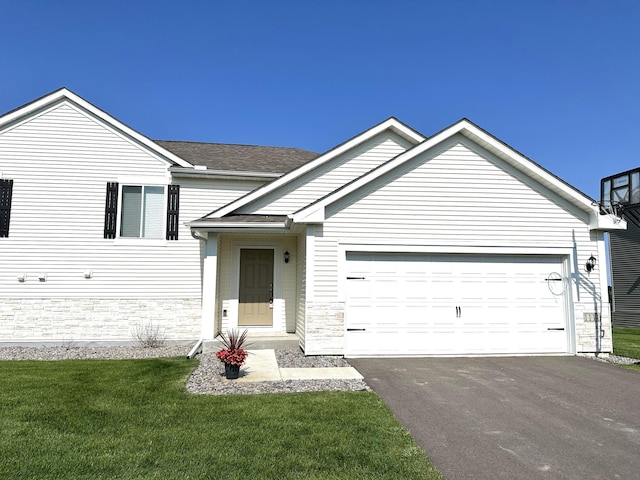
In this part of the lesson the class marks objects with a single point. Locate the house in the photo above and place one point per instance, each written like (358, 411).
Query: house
(621, 192)
(391, 243)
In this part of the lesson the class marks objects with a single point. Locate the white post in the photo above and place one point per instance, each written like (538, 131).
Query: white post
(209, 279)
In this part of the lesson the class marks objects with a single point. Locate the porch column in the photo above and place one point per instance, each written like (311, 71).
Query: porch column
(209, 286)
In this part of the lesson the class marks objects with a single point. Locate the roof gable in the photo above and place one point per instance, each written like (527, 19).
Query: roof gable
(50, 100)
(392, 124)
(315, 212)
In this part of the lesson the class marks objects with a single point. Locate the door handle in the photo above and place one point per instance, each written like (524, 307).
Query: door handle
(356, 329)
(557, 329)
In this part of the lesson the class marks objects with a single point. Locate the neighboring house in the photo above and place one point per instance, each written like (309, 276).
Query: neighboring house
(391, 243)
(622, 191)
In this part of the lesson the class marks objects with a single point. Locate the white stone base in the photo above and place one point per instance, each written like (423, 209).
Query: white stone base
(102, 320)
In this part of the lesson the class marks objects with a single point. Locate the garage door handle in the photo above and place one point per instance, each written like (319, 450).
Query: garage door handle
(355, 278)
(562, 328)
(356, 329)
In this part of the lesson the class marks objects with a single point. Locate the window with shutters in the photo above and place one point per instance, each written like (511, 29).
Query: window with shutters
(6, 191)
(146, 211)
(142, 213)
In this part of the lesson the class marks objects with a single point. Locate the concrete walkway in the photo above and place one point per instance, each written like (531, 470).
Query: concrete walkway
(262, 366)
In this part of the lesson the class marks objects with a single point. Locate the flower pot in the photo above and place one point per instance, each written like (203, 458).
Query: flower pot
(231, 371)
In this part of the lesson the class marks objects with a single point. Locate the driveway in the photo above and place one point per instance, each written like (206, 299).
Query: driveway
(516, 417)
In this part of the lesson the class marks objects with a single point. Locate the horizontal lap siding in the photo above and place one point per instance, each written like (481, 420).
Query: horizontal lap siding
(301, 294)
(60, 163)
(625, 273)
(457, 197)
(334, 174)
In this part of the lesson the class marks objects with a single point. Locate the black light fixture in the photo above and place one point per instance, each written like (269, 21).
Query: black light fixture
(286, 256)
(591, 264)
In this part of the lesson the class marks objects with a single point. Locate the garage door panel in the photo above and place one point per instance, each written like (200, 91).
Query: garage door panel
(417, 304)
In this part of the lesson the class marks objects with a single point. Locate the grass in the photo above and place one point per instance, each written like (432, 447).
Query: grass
(626, 342)
(133, 419)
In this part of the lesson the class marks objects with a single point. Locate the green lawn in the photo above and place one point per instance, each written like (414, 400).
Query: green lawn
(626, 342)
(130, 419)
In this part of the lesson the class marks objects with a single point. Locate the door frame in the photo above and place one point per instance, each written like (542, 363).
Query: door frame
(279, 320)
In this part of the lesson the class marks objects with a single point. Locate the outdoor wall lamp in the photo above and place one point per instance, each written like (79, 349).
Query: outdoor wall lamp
(286, 256)
(591, 264)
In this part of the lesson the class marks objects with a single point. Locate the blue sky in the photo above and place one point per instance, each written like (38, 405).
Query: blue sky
(556, 80)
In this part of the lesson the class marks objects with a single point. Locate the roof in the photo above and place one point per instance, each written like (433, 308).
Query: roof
(64, 95)
(239, 158)
(391, 124)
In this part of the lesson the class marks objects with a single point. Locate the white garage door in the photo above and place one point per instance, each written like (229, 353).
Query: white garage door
(403, 304)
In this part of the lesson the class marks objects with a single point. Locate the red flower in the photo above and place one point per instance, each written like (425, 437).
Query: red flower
(233, 352)
(234, 357)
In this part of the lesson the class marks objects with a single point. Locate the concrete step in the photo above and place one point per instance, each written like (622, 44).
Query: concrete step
(256, 341)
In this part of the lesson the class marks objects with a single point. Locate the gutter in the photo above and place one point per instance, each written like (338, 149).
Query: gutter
(223, 174)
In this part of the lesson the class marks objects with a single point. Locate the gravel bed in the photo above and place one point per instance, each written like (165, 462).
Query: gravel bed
(83, 353)
(208, 377)
(619, 360)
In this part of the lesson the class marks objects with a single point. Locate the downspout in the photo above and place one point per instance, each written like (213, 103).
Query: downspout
(197, 348)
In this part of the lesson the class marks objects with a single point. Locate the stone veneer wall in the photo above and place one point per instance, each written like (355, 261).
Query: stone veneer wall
(588, 328)
(96, 320)
(324, 330)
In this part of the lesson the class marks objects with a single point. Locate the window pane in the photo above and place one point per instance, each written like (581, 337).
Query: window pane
(153, 212)
(621, 195)
(606, 193)
(635, 187)
(131, 206)
(621, 181)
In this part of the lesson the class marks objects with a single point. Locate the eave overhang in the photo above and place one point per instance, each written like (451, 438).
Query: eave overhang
(605, 223)
(222, 174)
(244, 223)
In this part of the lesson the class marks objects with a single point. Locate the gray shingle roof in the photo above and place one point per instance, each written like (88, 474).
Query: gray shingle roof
(239, 158)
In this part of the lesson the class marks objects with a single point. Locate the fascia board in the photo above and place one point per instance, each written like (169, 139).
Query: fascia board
(62, 94)
(310, 216)
(477, 135)
(391, 124)
(373, 174)
(605, 223)
(222, 174)
(275, 227)
(525, 165)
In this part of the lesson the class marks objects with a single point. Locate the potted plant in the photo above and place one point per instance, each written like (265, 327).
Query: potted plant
(232, 354)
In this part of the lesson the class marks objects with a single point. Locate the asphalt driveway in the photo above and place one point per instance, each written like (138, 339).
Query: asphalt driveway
(516, 417)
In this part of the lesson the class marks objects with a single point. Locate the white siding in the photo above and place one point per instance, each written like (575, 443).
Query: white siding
(327, 178)
(61, 161)
(301, 292)
(460, 196)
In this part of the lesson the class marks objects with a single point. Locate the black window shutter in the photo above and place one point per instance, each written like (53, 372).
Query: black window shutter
(6, 188)
(111, 210)
(173, 206)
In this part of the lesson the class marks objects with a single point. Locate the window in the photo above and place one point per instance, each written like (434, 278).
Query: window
(142, 212)
(6, 190)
